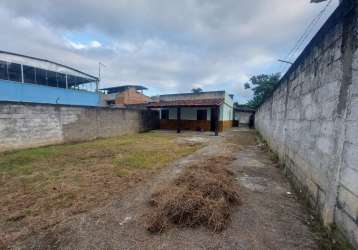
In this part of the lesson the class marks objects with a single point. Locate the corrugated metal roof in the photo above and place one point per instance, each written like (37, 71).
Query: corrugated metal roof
(46, 64)
(244, 109)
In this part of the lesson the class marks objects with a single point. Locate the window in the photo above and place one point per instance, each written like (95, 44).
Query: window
(111, 103)
(29, 74)
(51, 78)
(165, 114)
(61, 80)
(202, 115)
(41, 76)
(3, 70)
(14, 71)
(81, 80)
(72, 81)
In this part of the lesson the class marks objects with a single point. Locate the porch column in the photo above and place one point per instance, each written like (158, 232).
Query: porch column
(66, 82)
(22, 73)
(217, 117)
(178, 120)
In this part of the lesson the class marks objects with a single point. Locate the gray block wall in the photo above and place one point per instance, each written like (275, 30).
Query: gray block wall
(31, 125)
(311, 121)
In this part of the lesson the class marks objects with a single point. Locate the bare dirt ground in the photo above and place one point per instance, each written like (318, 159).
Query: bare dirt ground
(270, 216)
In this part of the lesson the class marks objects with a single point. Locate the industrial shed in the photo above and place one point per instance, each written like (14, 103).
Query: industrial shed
(35, 80)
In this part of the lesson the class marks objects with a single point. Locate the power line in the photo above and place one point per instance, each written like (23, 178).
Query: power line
(308, 30)
(306, 34)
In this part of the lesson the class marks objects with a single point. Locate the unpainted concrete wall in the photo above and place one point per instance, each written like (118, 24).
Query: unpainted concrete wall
(242, 117)
(311, 121)
(31, 125)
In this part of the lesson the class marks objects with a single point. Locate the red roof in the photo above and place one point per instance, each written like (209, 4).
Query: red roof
(187, 103)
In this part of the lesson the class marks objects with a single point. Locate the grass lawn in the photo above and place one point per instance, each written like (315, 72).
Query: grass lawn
(42, 186)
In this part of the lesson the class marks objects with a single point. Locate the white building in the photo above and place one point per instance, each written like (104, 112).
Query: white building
(206, 111)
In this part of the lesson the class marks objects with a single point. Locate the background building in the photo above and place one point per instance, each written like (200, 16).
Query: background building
(206, 111)
(29, 79)
(125, 95)
(242, 114)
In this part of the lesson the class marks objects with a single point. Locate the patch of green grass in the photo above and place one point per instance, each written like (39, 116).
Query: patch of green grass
(22, 161)
(149, 159)
(328, 238)
(274, 157)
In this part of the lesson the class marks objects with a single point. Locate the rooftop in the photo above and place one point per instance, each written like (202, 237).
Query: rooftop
(47, 65)
(187, 103)
(193, 94)
(122, 88)
(243, 108)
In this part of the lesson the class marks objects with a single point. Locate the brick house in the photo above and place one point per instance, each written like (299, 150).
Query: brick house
(125, 95)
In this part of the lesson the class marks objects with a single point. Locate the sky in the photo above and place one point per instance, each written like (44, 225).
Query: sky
(166, 45)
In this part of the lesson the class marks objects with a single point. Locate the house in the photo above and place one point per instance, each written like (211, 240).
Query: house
(125, 95)
(242, 114)
(35, 80)
(206, 111)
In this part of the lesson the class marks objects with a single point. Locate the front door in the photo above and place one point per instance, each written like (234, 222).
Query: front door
(213, 118)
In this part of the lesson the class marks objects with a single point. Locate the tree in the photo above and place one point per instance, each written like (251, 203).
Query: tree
(197, 90)
(262, 86)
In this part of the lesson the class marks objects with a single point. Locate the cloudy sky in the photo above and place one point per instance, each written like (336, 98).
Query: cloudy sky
(167, 45)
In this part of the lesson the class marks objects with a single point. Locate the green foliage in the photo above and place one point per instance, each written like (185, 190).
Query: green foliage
(262, 86)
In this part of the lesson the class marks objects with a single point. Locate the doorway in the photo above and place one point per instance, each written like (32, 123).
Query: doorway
(214, 117)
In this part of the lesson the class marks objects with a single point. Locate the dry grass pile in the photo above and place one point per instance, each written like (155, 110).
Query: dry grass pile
(202, 195)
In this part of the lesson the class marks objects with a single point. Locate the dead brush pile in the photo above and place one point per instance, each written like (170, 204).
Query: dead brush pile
(202, 195)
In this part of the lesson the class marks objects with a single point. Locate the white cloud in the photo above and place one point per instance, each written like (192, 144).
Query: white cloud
(81, 46)
(168, 46)
(95, 44)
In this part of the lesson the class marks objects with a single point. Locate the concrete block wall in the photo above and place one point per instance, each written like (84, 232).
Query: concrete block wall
(311, 121)
(31, 125)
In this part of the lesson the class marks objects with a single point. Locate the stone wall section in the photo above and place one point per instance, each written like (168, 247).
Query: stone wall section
(31, 125)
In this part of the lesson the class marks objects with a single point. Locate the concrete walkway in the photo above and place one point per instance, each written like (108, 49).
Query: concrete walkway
(269, 218)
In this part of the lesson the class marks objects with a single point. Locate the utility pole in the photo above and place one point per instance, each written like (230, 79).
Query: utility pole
(99, 69)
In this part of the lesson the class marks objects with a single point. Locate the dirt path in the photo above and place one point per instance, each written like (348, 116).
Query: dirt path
(270, 217)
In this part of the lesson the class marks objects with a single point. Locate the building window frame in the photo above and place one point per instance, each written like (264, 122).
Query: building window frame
(164, 114)
(14, 72)
(3, 71)
(202, 115)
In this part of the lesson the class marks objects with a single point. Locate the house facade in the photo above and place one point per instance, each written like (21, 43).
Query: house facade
(125, 95)
(206, 111)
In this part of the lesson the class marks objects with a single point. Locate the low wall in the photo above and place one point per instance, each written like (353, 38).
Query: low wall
(31, 125)
(311, 121)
